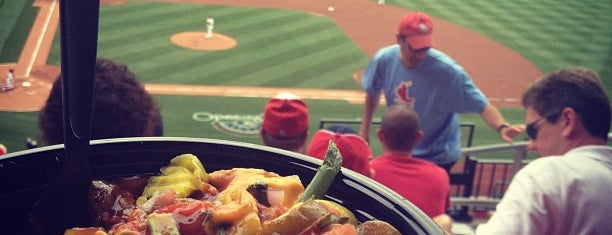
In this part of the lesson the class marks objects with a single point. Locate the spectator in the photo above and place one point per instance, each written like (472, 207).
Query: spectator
(568, 116)
(355, 150)
(423, 183)
(285, 123)
(414, 73)
(121, 107)
(3, 149)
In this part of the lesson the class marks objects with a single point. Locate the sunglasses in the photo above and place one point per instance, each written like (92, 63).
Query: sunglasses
(407, 44)
(532, 128)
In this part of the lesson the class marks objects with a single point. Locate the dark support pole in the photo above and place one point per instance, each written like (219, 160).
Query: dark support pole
(65, 204)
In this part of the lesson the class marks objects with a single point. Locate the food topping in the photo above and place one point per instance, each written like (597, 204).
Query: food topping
(185, 175)
(186, 200)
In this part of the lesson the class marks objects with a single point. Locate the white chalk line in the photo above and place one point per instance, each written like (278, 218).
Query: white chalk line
(40, 38)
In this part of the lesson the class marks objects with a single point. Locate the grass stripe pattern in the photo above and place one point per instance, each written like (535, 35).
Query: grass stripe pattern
(551, 33)
(276, 47)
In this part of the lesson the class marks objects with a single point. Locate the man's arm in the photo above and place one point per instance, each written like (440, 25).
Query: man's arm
(493, 117)
(369, 107)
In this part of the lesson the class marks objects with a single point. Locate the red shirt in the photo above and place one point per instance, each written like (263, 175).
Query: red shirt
(423, 183)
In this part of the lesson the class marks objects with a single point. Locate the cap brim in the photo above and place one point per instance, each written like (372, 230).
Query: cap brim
(420, 41)
(318, 145)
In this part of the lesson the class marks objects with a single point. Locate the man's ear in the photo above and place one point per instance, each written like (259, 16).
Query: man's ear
(379, 134)
(570, 121)
(418, 138)
(398, 39)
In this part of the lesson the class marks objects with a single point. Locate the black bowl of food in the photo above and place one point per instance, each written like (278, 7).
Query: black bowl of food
(26, 175)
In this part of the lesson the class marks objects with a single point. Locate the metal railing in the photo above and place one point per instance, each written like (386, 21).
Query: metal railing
(489, 185)
(480, 182)
(489, 182)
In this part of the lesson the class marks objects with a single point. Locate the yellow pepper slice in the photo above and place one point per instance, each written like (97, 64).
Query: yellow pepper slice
(184, 175)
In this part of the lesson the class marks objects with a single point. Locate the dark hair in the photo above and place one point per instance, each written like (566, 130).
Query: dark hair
(576, 88)
(342, 129)
(290, 144)
(121, 106)
(400, 127)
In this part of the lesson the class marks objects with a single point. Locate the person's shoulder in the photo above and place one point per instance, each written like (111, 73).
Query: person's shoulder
(543, 168)
(442, 60)
(386, 51)
(383, 161)
(439, 55)
(378, 159)
(576, 155)
(430, 170)
(443, 65)
(591, 150)
(429, 165)
(422, 162)
(586, 158)
(541, 162)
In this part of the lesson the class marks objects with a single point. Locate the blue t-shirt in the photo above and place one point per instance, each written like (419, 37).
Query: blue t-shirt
(438, 89)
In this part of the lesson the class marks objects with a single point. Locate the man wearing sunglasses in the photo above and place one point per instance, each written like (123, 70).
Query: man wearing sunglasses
(568, 190)
(414, 73)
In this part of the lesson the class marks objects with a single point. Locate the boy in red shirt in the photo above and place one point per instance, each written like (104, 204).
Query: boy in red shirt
(423, 183)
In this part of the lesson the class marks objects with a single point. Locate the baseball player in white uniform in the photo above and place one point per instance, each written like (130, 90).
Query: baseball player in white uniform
(10, 80)
(210, 24)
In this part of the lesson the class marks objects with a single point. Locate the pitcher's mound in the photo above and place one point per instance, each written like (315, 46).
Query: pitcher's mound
(198, 41)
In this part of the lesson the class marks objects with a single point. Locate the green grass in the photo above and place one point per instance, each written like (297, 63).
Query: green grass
(19, 14)
(304, 51)
(312, 52)
(177, 114)
(15, 127)
(552, 34)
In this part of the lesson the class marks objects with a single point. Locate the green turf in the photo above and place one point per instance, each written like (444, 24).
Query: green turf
(19, 14)
(552, 34)
(15, 127)
(303, 51)
(177, 115)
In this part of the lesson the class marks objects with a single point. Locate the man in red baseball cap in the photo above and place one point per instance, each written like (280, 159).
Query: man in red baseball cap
(285, 123)
(413, 72)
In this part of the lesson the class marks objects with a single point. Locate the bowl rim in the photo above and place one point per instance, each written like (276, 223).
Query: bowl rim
(420, 219)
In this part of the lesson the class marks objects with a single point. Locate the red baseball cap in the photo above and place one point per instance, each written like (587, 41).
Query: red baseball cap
(418, 29)
(3, 149)
(354, 149)
(285, 116)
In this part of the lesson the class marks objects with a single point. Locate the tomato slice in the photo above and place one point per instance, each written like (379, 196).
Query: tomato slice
(190, 215)
(341, 229)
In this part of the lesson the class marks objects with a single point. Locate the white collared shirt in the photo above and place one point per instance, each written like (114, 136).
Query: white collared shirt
(569, 194)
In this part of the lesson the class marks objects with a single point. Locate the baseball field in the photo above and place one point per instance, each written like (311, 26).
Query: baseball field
(217, 88)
